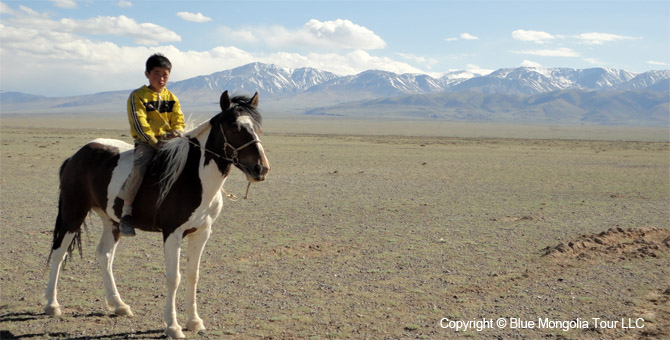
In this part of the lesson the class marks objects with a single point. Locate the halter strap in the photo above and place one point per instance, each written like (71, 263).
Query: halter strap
(233, 158)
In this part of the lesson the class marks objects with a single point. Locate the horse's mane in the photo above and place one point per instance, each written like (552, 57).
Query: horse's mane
(170, 160)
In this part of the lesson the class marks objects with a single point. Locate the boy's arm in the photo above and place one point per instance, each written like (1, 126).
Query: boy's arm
(137, 117)
(177, 117)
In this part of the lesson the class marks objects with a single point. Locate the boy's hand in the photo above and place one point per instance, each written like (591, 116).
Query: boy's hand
(174, 134)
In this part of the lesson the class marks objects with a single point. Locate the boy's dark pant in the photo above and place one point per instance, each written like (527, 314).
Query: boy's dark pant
(143, 153)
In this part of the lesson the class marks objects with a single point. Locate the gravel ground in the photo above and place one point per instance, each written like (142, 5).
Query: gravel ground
(372, 237)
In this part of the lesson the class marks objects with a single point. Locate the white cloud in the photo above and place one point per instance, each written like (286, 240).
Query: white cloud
(594, 61)
(4, 9)
(64, 3)
(193, 17)
(241, 35)
(528, 63)
(534, 36)
(476, 70)
(343, 64)
(596, 38)
(70, 56)
(143, 33)
(558, 52)
(124, 4)
(593, 38)
(464, 36)
(67, 64)
(315, 34)
(30, 11)
(359, 61)
(342, 33)
(418, 59)
(468, 36)
(656, 63)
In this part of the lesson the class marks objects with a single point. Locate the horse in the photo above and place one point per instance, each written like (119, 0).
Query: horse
(180, 196)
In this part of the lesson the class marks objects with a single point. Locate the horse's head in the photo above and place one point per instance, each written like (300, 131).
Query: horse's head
(236, 131)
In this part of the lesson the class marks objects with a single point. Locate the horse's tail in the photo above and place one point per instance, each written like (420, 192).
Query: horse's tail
(61, 228)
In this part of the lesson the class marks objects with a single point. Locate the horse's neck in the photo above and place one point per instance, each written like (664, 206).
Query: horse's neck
(211, 177)
(200, 129)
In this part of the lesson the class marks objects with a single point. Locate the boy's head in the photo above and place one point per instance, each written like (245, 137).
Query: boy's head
(158, 60)
(158, 69)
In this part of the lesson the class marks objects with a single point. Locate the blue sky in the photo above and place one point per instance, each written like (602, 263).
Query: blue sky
(69, 47)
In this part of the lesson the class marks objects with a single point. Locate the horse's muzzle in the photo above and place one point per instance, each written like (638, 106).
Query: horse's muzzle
(258, 172)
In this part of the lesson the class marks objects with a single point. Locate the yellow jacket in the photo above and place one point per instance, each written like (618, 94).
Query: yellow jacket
(151, 114)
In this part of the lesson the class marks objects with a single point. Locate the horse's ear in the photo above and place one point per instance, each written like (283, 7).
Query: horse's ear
(224, 101)
(254, 101)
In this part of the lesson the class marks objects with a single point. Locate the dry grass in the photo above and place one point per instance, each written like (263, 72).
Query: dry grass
(358, 237)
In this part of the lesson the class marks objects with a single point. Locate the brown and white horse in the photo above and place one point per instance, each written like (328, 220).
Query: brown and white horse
(180, 196)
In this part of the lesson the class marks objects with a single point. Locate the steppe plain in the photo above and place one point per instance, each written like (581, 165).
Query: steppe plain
(368, 230)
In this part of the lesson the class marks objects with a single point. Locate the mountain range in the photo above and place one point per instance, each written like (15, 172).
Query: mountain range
(572, 106)
(539, 95)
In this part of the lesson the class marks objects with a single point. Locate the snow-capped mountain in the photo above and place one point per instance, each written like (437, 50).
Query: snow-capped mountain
(310, 90)
(534, 80)
(375, 84)
(380, 83)
(278, 83)
(653, 80)
(274, 82)
(270, 81)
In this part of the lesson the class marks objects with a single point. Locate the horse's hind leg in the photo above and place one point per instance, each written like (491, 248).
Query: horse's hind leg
(105, 251)
(57, 257)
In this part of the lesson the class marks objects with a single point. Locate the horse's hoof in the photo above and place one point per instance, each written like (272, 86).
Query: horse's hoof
(53, 311)
(175, 332)
(195, 325)
(123, 311)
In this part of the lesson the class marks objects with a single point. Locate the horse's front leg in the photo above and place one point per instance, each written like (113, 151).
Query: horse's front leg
(52, 307)
(106, 250)
(196, 244)
(172, 251)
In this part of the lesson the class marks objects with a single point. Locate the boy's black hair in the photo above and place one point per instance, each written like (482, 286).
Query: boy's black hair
(158, 60)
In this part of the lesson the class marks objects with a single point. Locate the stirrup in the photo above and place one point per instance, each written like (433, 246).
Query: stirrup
(126, 226)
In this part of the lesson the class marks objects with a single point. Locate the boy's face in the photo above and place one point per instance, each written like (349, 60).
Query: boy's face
(158, 78)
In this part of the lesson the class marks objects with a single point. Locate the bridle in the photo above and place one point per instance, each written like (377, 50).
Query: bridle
(233, 157)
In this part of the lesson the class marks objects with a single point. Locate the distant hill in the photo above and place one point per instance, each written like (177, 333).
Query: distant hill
(594, 96)
(98, 103)
(573, 106)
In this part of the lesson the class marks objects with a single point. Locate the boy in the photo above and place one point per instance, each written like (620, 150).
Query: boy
(154, 115)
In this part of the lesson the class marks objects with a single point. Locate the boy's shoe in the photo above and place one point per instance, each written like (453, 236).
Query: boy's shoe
(126, 226)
